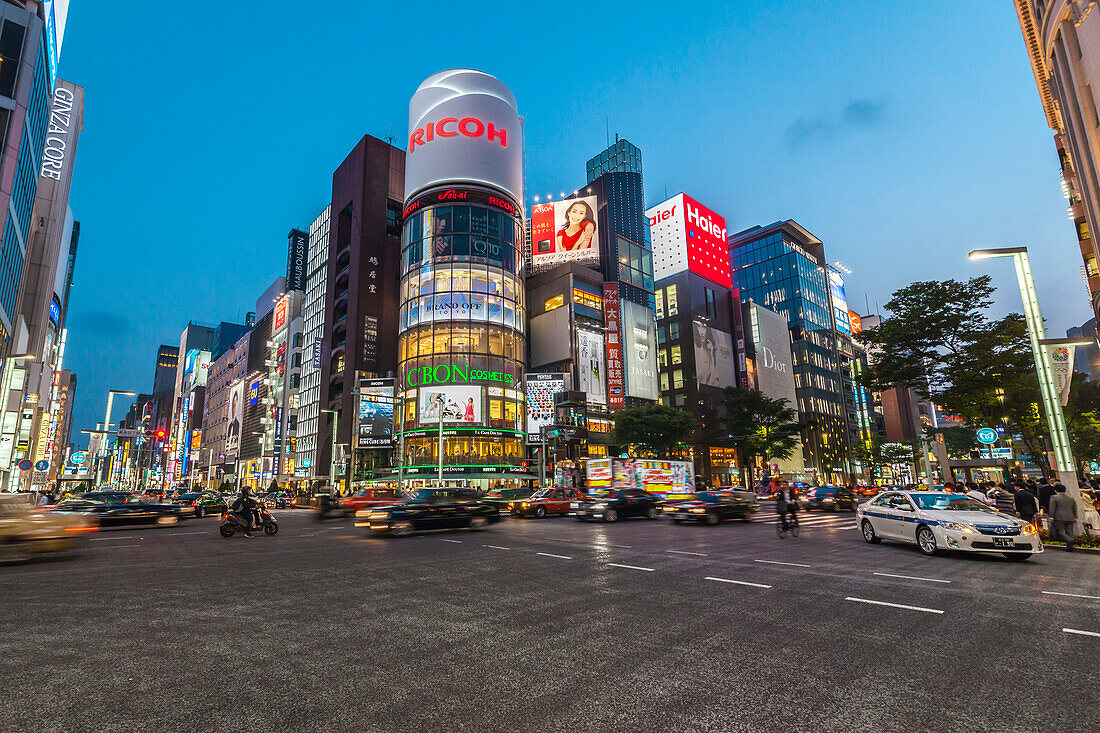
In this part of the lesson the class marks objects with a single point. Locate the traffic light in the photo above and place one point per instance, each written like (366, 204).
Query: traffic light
(160, 434)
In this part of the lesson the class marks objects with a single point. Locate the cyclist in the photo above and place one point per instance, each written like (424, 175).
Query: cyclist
(786, 504)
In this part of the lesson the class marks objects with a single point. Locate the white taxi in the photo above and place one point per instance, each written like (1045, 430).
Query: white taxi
(937, 520)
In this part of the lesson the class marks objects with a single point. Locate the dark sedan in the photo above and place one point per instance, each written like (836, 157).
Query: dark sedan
(611, 506)
(203, 504)
(710, 507)
(830, 498)
(502, 498)
(118, 508)
(429, 509)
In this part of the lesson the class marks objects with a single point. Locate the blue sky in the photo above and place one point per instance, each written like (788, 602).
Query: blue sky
(902, 135)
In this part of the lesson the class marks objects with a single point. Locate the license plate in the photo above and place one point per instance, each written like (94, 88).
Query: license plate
(1003, 542)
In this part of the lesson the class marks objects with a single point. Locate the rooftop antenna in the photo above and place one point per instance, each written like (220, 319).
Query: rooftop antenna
(867, 302)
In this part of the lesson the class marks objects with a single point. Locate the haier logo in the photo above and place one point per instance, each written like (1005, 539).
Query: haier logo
(704, 222)
(662, 215)
(452, 126)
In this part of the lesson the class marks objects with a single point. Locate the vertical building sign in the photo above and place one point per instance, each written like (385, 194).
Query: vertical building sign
(615, 399)
(296, 260)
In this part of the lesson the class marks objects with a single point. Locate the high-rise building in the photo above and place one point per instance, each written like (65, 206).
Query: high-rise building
(221, 423)
(463, 317)
(361, 295)
(1063, 43)
(30, 34)
(313, 313)
(196, 341)
(782, 267)
(696, 361)
(1086, 359)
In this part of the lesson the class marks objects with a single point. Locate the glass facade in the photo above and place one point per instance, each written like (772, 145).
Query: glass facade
(462, 347)
(775, 271)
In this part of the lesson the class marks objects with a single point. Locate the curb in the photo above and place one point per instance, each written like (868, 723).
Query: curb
(1061, 547)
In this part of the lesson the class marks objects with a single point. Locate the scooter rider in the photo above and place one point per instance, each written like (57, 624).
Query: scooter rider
(245, 508)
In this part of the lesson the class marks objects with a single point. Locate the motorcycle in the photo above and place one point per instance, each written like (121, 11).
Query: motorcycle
(233, 523)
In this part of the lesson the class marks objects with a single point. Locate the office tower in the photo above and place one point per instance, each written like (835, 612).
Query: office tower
(313, 313)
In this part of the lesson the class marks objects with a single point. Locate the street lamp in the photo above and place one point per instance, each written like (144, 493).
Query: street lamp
(332, 458)
(1048, 388)
(107, 421)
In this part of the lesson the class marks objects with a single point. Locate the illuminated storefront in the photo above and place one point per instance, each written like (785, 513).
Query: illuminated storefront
(463, 317)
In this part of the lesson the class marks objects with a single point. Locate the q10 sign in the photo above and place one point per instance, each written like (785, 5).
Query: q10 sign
(689, 236)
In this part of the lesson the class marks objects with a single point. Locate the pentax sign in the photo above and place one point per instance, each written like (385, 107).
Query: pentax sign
(689, 236)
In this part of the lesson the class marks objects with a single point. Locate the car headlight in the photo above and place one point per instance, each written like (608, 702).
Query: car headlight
(958, 527)
(599, 506)
(525, 505)
(363, 513)
(698, 511)
(830, 499)
(1026, 528)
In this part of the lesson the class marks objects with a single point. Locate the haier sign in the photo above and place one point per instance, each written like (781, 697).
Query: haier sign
(689, 236)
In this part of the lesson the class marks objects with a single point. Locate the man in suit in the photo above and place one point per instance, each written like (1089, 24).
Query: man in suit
(1063, 512)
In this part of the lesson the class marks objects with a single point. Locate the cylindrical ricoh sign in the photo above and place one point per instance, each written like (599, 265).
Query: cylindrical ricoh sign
(464, 128)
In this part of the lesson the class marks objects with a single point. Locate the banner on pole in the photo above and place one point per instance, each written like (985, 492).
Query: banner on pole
(1061, 364)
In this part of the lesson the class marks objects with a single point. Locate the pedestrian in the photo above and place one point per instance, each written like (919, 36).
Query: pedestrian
(1027, 506)
(1045, 492)
(1063, 511)
(975, 493)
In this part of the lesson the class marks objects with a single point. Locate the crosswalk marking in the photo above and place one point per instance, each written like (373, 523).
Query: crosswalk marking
(842, 521)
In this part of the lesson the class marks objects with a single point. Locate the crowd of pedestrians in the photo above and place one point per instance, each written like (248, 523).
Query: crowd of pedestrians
(1032, 501)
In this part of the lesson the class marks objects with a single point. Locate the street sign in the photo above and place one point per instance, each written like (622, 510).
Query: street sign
(307, 462)
(24, 465)
(77, 458)
(987, 436)
(128, 432)
(999, 453)
(42, 466)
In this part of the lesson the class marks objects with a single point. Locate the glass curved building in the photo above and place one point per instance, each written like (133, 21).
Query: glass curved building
(462, 327)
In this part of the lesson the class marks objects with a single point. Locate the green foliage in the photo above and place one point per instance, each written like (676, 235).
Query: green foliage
(273, 486)
(1083, 418)
(759, 426)
(957, 440)
(225, 487)
(655, 429)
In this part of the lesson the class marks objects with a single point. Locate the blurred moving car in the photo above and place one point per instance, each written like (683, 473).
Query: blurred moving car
(710, 507)
(117, 508)
(749, 496)
(333, 507)
(867, 490)
(26, 531)
(277, 500)
(502, 498)
(429, 509)
(611, 505)
(937, 521)
(207, 502)
(544, 502)
(830, 498)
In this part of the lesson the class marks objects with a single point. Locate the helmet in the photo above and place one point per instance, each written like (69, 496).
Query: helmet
(245, 491)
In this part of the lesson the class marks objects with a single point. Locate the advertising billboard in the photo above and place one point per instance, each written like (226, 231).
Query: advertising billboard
(688, 236)
(253, 393)
(234, 419)
(714, 362)
(464, 126)
(280, 314)
(772, 346)
(591, 375)
(856, 322)
(197, 364)
(459, 404)
(840, 302)
(564, 231)
(541, 389)
(375, 412)
(296, 253)
(640, 350)
(670, 480)
(613, 322)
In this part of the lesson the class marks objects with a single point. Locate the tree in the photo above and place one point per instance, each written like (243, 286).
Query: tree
(895, 454)
(273, 486)
(656, 429)
(869, 453)
(1082, 413)
(939, 342)
(760, 426)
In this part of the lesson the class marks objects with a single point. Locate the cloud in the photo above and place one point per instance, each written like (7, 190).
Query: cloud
(859, 114)
(101, 323)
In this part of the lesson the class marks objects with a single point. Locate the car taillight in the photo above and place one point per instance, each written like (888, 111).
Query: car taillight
(81, 529)
(194, 503)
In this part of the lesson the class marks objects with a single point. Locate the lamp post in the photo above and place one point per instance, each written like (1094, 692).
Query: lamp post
(1048, 388)
(107, 422)
(332, 458)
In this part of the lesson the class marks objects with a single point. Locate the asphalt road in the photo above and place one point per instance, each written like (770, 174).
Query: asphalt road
(548, 625)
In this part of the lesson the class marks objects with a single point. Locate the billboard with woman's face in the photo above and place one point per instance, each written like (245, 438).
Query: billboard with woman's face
(564, 231)
(233, 424)
(458, 404)
(713, 356)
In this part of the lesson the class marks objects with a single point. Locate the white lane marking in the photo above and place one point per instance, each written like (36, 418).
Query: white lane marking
(911, 577)
(115, 547)
(1071, 595)
(177, 534)
(893, 605)
(105, 539)
(457, 542)
(629, 567)
(737, 582)
(1082, 633)
(792, 564)
(550, 554)
(497, 547)
(684, 552)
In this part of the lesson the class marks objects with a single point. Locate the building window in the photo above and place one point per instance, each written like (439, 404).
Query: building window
(673, 308)
(556, 302)
(582, 297)
(673, 331)
(660, 304)
(662, 358)
(712, 306)
(680, 400)
(664, 381)
(11, 43)
(661, 335)
(678, 379)
(676, 358)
